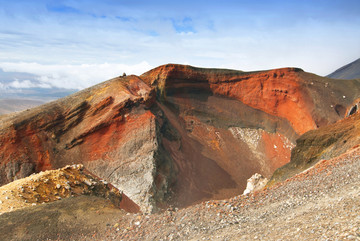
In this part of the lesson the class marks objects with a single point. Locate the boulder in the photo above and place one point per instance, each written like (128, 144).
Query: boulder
(255, 183)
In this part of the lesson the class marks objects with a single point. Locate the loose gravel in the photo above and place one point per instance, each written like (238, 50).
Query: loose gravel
(322, 203)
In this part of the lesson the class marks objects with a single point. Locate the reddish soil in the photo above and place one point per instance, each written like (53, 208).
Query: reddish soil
(78, 129)
(208, 130)
(287, 93)
(179, 135)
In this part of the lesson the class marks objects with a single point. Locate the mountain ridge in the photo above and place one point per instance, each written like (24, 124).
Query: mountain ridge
(349, 71)
(176, 134)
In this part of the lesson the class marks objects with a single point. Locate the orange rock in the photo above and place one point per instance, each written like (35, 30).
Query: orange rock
(176, 132)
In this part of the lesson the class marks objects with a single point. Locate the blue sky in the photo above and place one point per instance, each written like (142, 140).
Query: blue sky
(76, 44)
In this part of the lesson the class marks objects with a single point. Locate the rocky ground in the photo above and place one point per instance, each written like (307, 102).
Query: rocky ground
(71, 218)
(322, 203)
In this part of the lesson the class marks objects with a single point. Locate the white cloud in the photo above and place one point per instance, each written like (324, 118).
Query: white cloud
(70, 76)
(77, 50)
(25, 84)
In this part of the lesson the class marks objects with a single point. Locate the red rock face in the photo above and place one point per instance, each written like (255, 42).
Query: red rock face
(232, 124)
(99, 127)
(175, 134)
(96, 118)
(288, 93)
(277, 92)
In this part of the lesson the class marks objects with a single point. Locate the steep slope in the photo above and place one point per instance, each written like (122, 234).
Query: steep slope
(232, 124)
(349, 71)
(321, 144)
(289, 93)
(107, 128)
(176, 134)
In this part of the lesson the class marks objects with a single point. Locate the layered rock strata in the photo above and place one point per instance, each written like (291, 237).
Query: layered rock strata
(176, 134)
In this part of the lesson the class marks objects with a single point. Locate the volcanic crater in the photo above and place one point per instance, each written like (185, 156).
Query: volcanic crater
(177, 135)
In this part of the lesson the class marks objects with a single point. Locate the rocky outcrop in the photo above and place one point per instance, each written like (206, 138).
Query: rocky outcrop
(255, 183)
(176, 134)
(288, 93)
(230, 124)
(354, 108)
(321, 144)
(107, 128)
(54, 185)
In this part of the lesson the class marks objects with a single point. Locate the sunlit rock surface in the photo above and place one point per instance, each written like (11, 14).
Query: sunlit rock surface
(177, 134)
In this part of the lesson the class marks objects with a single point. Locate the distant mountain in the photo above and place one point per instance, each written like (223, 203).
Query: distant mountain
(7, 77)
(349, 71)
(20, 91)
(11, 105)
(45, 94)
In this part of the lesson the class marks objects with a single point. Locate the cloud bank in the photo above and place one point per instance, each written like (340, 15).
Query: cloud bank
(75, 44)
(68, 76)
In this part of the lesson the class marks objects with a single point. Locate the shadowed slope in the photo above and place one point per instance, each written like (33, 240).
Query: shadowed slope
(242, 122)
(288, 93)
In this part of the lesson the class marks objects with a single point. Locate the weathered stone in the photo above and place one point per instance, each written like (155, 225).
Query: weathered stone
(176, 134)
(255, 183)
(321, 144)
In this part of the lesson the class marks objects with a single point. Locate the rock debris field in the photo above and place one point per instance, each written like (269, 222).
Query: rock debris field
(321, 203)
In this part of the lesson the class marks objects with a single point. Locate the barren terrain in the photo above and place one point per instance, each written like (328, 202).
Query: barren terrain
(166, 155)
(322, 203)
